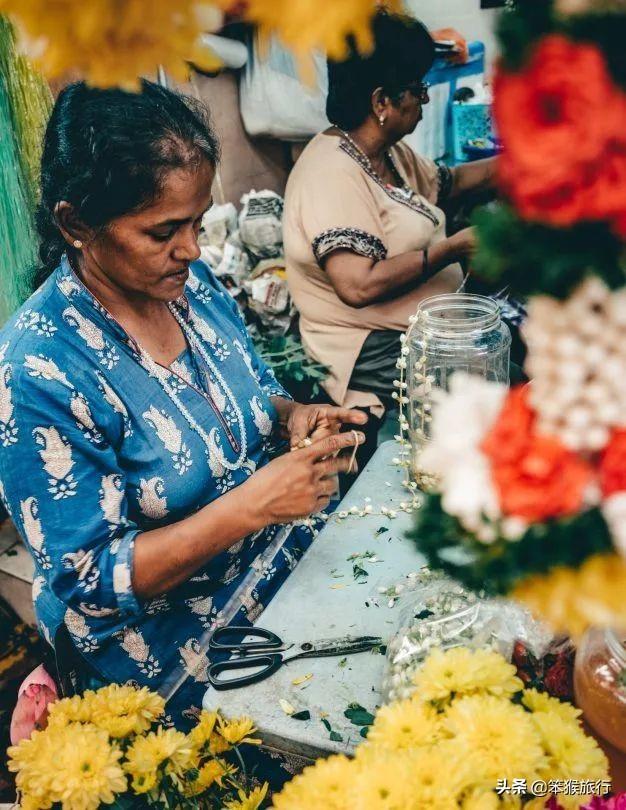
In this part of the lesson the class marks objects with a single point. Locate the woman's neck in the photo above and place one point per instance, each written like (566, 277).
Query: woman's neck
(126, 307)
(372, 139)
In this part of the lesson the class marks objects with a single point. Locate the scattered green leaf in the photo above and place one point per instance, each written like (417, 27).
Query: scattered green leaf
(381, 530)
(358, 715)
(11, 552)
(364, 731)
(303, 715)
(333, 735)
(342, 663)
(359, 572)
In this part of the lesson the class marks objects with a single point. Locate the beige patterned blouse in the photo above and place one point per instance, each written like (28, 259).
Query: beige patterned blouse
(334, 201)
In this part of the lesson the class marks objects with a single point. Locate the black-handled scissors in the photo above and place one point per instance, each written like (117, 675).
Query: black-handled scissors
(264, 652)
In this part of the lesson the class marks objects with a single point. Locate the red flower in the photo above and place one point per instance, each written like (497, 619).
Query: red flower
(536, 476)
(562, 121)
(559, 678)
(613, 464)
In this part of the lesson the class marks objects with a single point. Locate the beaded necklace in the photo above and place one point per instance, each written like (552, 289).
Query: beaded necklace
(160, 373)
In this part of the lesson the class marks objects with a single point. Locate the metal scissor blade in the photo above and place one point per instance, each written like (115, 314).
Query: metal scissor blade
(345, 645)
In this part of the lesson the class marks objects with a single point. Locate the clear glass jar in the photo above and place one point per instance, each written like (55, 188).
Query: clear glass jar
(455, 332)
(600, 683)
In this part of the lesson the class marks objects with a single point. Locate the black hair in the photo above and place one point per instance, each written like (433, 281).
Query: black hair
(107, 151)
(403, 53)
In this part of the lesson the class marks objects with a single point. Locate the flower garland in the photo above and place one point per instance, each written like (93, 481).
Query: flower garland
(466, 735)
(109, 746)
(532, 484)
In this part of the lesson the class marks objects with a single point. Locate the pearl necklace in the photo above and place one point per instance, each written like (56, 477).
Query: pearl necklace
(157, 371)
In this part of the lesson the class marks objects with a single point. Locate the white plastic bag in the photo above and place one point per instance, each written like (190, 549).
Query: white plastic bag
(218, 222)
(273, 100)
(440, 612)
(260, 224)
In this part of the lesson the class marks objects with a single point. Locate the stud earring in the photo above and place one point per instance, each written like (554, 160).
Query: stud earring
(381, 120)
(77, 244)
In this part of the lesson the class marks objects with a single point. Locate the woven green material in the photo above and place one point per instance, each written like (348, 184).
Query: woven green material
(25, 104)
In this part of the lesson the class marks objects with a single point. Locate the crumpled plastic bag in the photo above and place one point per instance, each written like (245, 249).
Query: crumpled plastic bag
(268, 295)
(217, 224)
(235, 263)
(442, 613)
(260, 224)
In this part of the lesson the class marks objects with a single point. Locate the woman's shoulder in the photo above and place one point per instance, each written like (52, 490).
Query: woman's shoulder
(33, 326)
(323, 165)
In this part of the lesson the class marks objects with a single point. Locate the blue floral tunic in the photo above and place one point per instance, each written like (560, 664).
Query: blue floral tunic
(93, 451)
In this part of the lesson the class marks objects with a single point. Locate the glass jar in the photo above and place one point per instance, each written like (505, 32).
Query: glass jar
(600, 683)
(455, 332)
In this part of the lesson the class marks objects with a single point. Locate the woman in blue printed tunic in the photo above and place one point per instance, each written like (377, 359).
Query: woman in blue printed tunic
(136, 419)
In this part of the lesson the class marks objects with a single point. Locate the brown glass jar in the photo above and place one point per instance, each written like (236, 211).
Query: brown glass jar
(600, 683)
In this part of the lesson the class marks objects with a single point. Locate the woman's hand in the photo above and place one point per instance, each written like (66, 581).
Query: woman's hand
(315, 422)
(300, 483)
(463, 243)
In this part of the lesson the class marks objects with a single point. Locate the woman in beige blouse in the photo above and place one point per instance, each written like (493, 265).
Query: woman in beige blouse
(365, 238)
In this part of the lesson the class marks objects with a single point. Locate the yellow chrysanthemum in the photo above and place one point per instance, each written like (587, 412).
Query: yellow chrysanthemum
(542, 702)
(247, 801)
(571, 753)
(204, 738)
(114, 41)
(574, 600)
(73, 765)
(461, 671)
(160, 751)
(71, 710)
(405, 724)
(211, 773)
(397, 780)
(497, 737)
(237, 731)
(325, 784)
(125, 710)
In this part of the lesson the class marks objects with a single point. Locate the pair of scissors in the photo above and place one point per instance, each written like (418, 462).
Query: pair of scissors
(264, 652)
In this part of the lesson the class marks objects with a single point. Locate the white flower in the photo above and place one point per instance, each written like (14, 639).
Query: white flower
(454, 454)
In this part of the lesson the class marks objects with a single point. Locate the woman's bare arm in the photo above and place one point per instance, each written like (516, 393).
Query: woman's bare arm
(479, 175)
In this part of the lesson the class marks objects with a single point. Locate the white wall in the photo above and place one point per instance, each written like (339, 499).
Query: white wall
(464, 15)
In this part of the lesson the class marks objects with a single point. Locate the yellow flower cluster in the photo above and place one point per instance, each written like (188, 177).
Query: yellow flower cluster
(105, 743)
(573, 600)
(73, 764)
(111, 42)
(469, 724)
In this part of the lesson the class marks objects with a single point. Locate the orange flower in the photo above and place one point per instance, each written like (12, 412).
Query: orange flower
(536, 476)
(613, 464)
(561, 119)
(508, 436)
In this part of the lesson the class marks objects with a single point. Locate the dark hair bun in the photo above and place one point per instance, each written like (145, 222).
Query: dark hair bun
(403, 53)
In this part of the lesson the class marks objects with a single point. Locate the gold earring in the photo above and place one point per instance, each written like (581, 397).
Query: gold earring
(77, 244)
(381, 120)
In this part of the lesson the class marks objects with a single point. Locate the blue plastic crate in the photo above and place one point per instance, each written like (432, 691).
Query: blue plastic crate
(468, 122)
